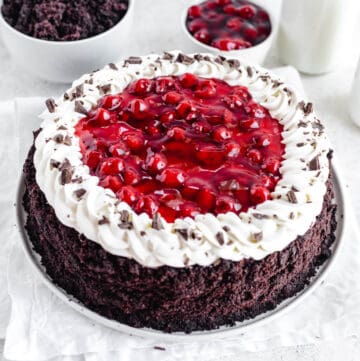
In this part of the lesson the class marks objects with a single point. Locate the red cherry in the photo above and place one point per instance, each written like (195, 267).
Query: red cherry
(221, 133)
(224, 204)
(206, 199)
(247, 11)
(196, 25)
(228, 44)
(255, 110)
(146, 204)
(272, 165)
(135, 141)
(250, 33)
(211, 4)
(111, 166)
(172, 177)
(141, 86)
(167, 117)
(128, 194)
(259, 194)
(232, 149)
(250, 123)
(263, 141)
(131, 176)
(205, 89)
(184, 108)
(201, 126)
(203, 36)
(93, 158)
(189, 192)
(188, 209)
(172, 97)
(230, 9)
(176, 133)
(188, 80)
(164, 84)
(233, 101)
(235, 24)
(110, 102)
(152, 127)
(254, 155)
(210, 155)
(229, 120)
(138, 108)
(194, 11)
(119, 149)
(112, 182)
(222, 2)
(155, 162)
(101, 117)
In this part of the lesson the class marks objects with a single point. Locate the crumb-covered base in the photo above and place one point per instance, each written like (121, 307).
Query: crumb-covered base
(166, 298)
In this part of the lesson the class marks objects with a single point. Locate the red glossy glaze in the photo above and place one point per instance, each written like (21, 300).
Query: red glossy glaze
(182, 146)
(228, 24)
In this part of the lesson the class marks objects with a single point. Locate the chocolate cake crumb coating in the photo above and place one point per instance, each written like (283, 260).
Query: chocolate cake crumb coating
(166, 298)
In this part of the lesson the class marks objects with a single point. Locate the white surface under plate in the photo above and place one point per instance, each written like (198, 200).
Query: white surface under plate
(221, 332)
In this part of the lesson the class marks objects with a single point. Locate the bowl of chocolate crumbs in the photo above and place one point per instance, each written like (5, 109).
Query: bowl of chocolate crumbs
(58, 40)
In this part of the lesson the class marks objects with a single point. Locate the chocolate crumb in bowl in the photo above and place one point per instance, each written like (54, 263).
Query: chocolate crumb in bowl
(63, 20)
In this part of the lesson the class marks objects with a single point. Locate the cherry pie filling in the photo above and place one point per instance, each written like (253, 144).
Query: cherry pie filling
(183, 145)
(228, 24)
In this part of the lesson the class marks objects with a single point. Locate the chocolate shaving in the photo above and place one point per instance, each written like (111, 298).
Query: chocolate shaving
(292, 215)
(249, 71)
(78, 193)
(291, 197)
(105, 88)
(183, 232)
(58, 138)
(186, 260)
(67, 140)
(66, 175)
(234, 63)
(66, 96)
(111, 66)
(159, 348)
(314, 164)
(167, 56)
(62, 127)
(79, 91)
(54, 164)
(293, 188)
(142, 233)
(300, 144)
(260, 216)
(306, 108)
(79, 108)
(103, 220)
(156, 222)
(220, 238)
(124, 219)
(258, 236)
(184, 59)
(302, 124)
(220, 59)
(51, 105)
(133, 60)
(226, 228)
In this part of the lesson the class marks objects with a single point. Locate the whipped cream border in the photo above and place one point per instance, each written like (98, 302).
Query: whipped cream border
(91, 210)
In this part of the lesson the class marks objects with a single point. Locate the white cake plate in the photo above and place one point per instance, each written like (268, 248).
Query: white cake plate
(224, 331)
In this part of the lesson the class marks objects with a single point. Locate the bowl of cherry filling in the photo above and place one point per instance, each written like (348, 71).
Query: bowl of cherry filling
(231, 28)
(59, 40)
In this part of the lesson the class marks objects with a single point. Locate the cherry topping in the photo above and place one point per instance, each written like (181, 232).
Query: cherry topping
(228, 24)
(182, 146)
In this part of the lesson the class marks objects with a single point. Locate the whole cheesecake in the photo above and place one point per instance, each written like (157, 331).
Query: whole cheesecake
(180, 192)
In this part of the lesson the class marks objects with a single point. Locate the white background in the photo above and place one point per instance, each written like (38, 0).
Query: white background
(157, 28)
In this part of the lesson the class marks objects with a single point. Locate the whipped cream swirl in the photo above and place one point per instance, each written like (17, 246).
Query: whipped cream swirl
(80, 203)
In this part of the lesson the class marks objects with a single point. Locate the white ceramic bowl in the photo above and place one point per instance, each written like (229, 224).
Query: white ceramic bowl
(65, 61)
(255, 55)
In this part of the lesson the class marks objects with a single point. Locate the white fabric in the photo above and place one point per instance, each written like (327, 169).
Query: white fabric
(42, 327)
